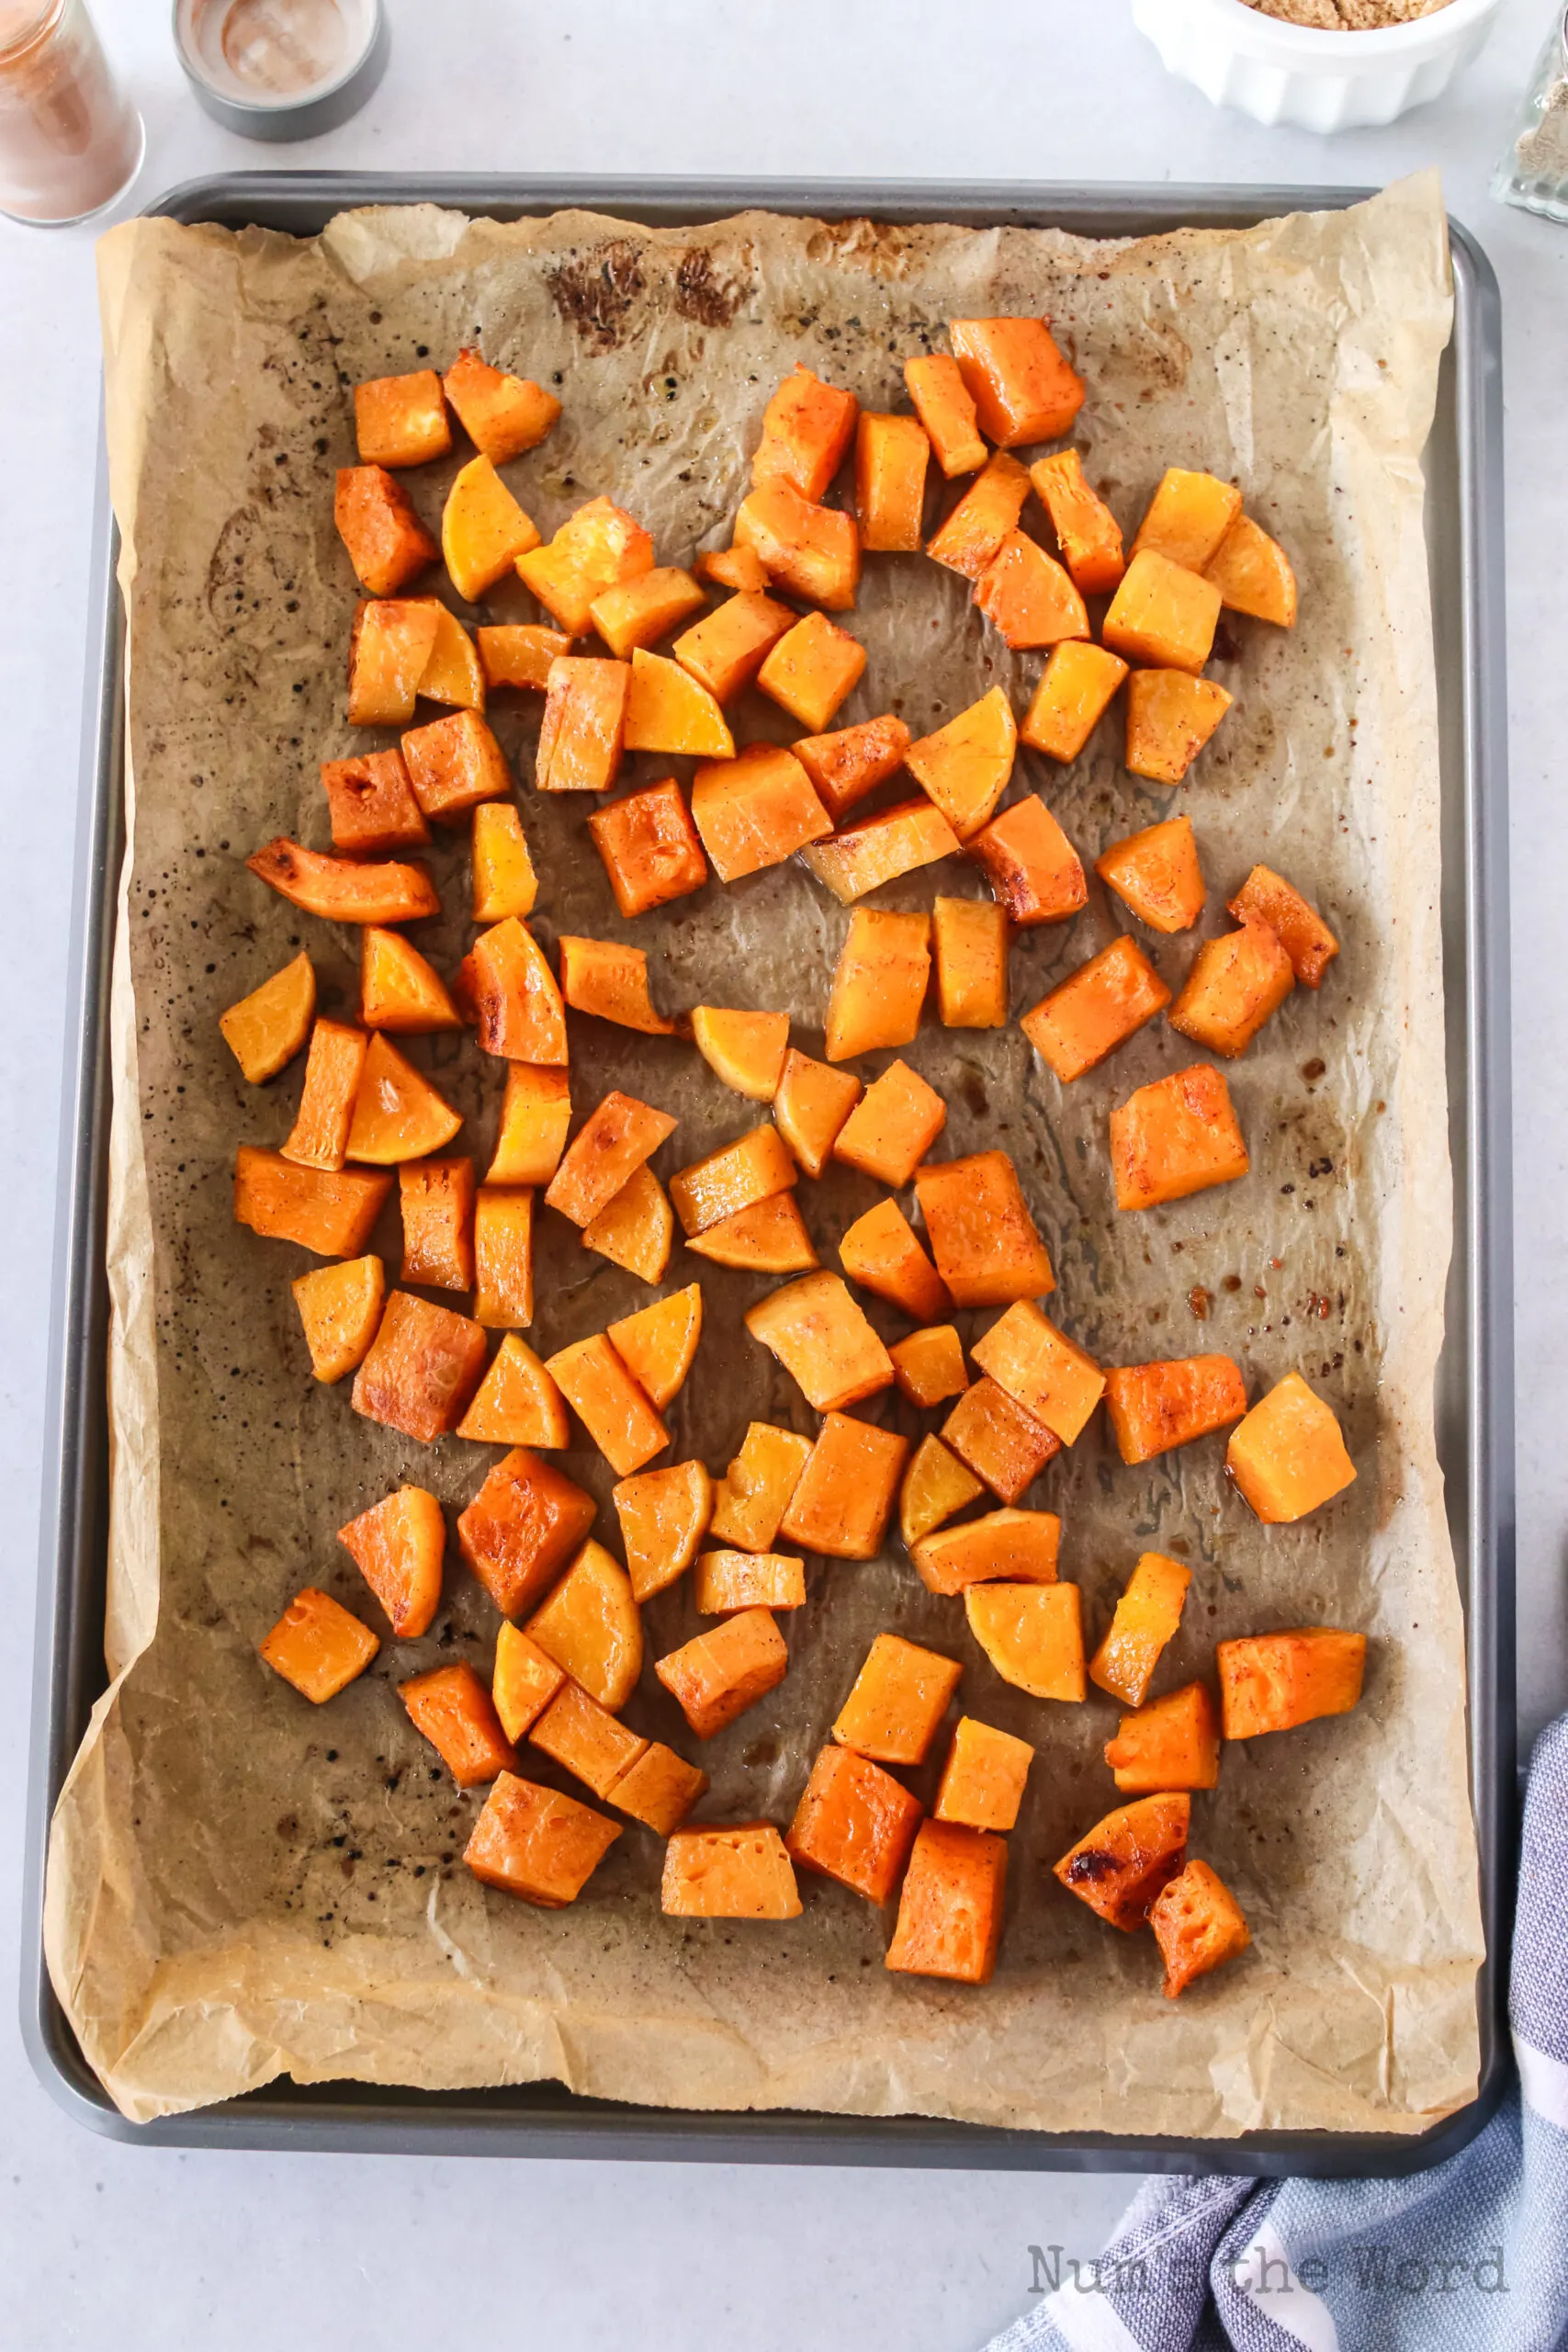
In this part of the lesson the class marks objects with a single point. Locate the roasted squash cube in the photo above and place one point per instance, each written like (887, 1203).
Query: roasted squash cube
(971, 940)
(897, 1701)
(397, 989)
(376, 520)
(725, 651)
(455, 1712)
(610, 980)
(1265, 897)
(945, 407)
(1174, 1137)
(1170, 717)
(732, 1179)
(1002, 1442)
(929, 1365)
(755, 810)
(517, 1403)
(340, 1307)
(891, 457)
(1089, 534)
(590, 1626)
(536, 1116)
(1145, 1620)
(538, 1844)
(966, 766)
(608, 1402)
(1153, 1406)
(879, 983)
(810, 1106)
(892, 1126)
(503, 415)
(517, 1004)
(982, 1236)
(740, 1873)
(667, 711)
(398, 1114)
(1030, 865)
(1173, 1743)
(483, 530)
(332, 1070)
(1027, 597)
(879, 849)
(744, 1049)
(503, 1257)
(1042, 1370)
(649, 847)
(664, 1515)
(265, 1030)
(1075, 692)
(638, 613)
(1022, 388)
(452, 673)
(520, 654)
(854, 1823)
(504, 880)
(401, 420)
(1198, 1926)
(1189, 516)
(812, 553)
(660, 1790)
(983, 520)
(583, 728)
(811, 669)
(596, 548)
(1162, 616)
(611, 1144)
(808, 427)
(524, 1683)
(423, 1365)
(933, 1487)
(327, 1211)
(343, 889)
(1095, 1009)
(522, 1528)
(436, 1197)
(732, 567)
(752, 1496)
(719, 1675)
(1274, 1681)
(399, 1546)
(881, 1253)
(454, 763)
(767, 1237)
(1253, 574)
(845, 766)
(1236, 982)
(983, 1780)
(319, 1646)
(1004, 1546)
(586, 1740)
(727, 1581)
(950, 1906)
(1157, 873)
(846, 1491)
(1122, 1863)
(657, 1344)
(390, 648)
(1288, 1455)
(822, 1339)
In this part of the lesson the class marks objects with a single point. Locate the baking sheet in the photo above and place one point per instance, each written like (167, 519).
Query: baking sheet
(184, 1953)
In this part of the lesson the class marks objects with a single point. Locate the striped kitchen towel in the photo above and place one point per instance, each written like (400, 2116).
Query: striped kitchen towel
(1473, 2255)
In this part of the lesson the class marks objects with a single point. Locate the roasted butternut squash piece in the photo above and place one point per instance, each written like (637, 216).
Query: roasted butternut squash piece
(609, 1403)
(879, 983)
(454, 763)
(401, 420)
(344, 890)
(726, 1581)
(1126, 1859)
(1289, 1456)
(503, 1257)
(847, 1490)
(583, 730)
(1267, 897)
(1236, 984)
(1170, 717)
(504, 880)
(667, 711)
(950, 1906)
(1176, 1137)
(1030, 865)
(1162, 616)
(399, 1546)
(811, 669)
(1095, 1009)
(265, 1030)
(503, 415)
(982, 1236)
(1145, 1620)
(979, 525)
(897, 1701)
(522, 1528)
(1022, 388)
(455, 1712)
(1173, 1743)
(971, 941)
(878, 849)
(809, 551)
(1253, 574)
(638, 613)
(1027, 597)
(371, 804)
(929, 1365)
(1198, 1926)
(1000, 1441)
(452, 673)
(823, 1341)
(719, 1675)
(846, 765)
(725, 651)
(881, 1253)
(661, 1789)
(590, 1625)
(1155, 1407)
(657, 1344)
(390, 648)
(808, 427)
(810, 1106)
(945, 407)
(732, 567)
(535, 1116)
(1157, 873)
(524, 1683)
(387, 542)
(934, 1486)
(891, 457)
(731, 1179)
(649, 847)
(755, 810)
(740, 1873)
(1086, 531)
(483, 530)
(1189, 516)
(333, 1069)
(397, 989)
(892, 1126)
(751, 1499)
(331, 1213)
(983, 1780)
(423, 1365)
(535, 1843)
(1042, 1370)
(854, 1823)
(1274, 1681)
(768, 1237)
(586, 1740)
(398, 1114)
(520, 654)
(636, 1229)
(517, 1403)
(602, 976)
(664, 1515)
(612, 1143)
(436, 1197)
(744, 1049)
(340, 1307)
(1076, 690)
(598, 548)
(1003, 1547)
(319, 1646)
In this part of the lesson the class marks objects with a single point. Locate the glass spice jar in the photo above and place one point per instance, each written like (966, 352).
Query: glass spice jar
(70, 140)
(1534, 171)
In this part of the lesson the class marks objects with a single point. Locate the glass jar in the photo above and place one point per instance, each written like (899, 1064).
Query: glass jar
(70, 141)
(1534, 171)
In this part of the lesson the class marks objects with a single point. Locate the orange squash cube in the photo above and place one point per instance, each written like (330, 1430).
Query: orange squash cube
(744, 1049)
(1170, 717)
(1173, 1743)
(1176, 1137)
(1030, 865)
(897, 1701)
(611, 1144)
(892, 1126)
(649, 847)
(854, 1823)
(504, 880)
(1002, 1547)
(657, 1344)
(318, 1646)
(343, 889)
(669, 711)
(891, 457)
(971, 941)
(636, 1229)
(1265, 897)
(878, 849)
(265, 1030)
(1125, 1861)
(881, 1253)
(769, 1238)
(520, 654)
(1076, 690)
(1274, 1681)
(524, 1683)
(808, 427)
(719, 1674)
(517, 1403)
(1198, 1926)
(982, 1236)
(1236, 984)
(1027, 597)
(608, 1402)
(398, 1114)
(732, 1179)
(664, 1515)
(740, 1873)
(732, 567)
(879, 983)
(399, 1546)
(1189, 516)
(503, 1257)
(333, 1069)
(966, 766)
(1095, 1009)
(327, 1211)
(660, 1790)
(1288, 1455)
(586, 1740)
(809, 551)
(590, 1626)
(522, 1528)
(376, 520)
(1022, 388)
(1001, 1443)
(823, 1341)
(390, 648)
(755, 810)
(517, 1005)
(1042, 1370)
(371, 804)
(401, 420)
(1162, 616)
(945, 407)
(483, 530)
(751, 1499)
(602, 976)
(583, 730)
(598, 548)
(983, 521)
(847, 1490)
(724, 652)
(933, 1487)
(503, 415)
(811, 669)
(1145, 1620)
(1089, 534)
(454, 763)
(929, 1365)
(436, 1197)
(726, 1581)
(535, 1116)
(455, 1712)
(983, 1780)
(845, 766)
(1155, 1407)
(950, 1907)
(538, 1844)
(452, 673)
(1253, 574)
(1157, 873)
(810, 1106)
(638, 613)
(423, 1365)
(340, 1307)
(397, 989)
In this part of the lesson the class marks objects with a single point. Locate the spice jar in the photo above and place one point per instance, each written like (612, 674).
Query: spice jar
(70, 141)
(1534, 171)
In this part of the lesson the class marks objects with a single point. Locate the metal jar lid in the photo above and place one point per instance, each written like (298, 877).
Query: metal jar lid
(250, 62)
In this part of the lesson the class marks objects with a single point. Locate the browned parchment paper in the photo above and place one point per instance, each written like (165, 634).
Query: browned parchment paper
(242, 1885)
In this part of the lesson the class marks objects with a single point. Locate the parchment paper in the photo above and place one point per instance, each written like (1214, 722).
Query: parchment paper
(242, 1885)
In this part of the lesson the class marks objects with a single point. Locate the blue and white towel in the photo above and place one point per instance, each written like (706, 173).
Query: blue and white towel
(1473, 2255)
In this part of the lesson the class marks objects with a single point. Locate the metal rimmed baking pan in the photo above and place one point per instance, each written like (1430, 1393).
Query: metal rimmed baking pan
(1474, 1402)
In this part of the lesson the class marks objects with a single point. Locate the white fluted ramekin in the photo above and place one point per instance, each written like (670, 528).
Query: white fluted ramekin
(1316, 81)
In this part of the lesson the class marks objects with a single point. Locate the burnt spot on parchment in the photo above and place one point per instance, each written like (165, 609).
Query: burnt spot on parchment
(703, 295)
(595, 291)
(1156, 359)
(878, 246)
